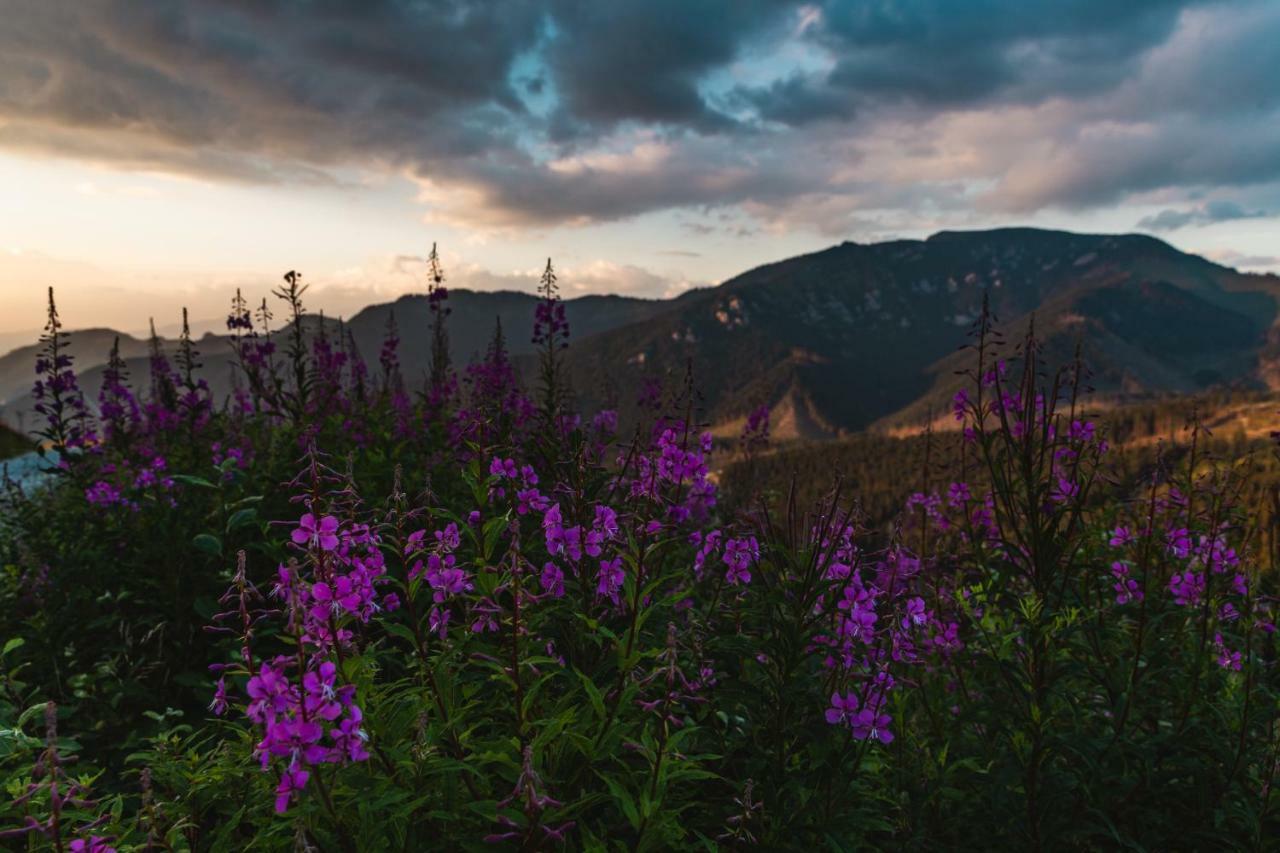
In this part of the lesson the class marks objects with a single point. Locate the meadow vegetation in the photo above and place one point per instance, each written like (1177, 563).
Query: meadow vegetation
(348, 610)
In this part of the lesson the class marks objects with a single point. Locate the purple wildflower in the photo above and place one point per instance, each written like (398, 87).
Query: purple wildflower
(320, 534)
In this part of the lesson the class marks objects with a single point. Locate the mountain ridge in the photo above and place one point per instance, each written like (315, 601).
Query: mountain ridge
(854, 336)
(862, 330)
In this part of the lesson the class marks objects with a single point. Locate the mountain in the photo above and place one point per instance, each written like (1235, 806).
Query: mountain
(12, 444)
(860, 336)
(470, 325)
(854, 337)
(87, 346)
(471, 320)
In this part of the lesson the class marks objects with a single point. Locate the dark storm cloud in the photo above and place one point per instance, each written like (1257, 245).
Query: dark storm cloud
(644, 61)
(938, 53)
(543, 111)
(282, 83)
(946, 53)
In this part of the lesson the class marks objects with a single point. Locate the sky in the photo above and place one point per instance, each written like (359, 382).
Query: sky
(158, 154)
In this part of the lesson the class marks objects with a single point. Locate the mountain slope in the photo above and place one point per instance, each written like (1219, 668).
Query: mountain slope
(470, 325)
(12, 444)
(87, 346)
(865, 333)
(851, 337)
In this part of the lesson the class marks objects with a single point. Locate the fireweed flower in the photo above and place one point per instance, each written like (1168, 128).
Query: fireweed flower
(1178, 541)
(1120, 537)
(1187, 588)
(611, 579)
(1126, 588)
(605, 422)
(869, 724)
(321, 698)
(561, 540)
(219, 704)
(946, 638)
(292, 781)
(1064, 491)
(297, 738)
(305, 715)
(594, 545)
(322, 534)
(293, 722)
(1215, 554)
(604, 529)
(447, 583)
(92, 844)
(270, 693)
(552, 580)
(342, 595)
(709, 548)
(503, 468)
(528, 500)
(103, 494)
(958, 495)
(739, 556)
(414, 542)
(858, 619)
(917, 614)
(349, 738)
(842, 709)
(1227, 659)
(448, 539)
(434, 565)
(674, 464)
(1082, 431)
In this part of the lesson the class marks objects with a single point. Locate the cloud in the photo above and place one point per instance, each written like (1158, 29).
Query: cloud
(593, 277)
(1242, 260)
(644, 62)
(94, 295)
(1205, 214)
(534, 113)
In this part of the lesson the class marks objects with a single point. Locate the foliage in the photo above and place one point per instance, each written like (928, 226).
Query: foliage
(330, 614)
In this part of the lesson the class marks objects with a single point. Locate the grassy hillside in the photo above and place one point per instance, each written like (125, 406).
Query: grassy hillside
(881, 470)
(857, 335)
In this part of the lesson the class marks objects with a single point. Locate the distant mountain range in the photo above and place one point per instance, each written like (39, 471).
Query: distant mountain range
(853, 337)
(866, 336)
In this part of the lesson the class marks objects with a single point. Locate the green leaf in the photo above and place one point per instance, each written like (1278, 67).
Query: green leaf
(242, 518)
(14, 643)
(404, 632)
(191, 480)
(208, 543)
(593, 694)
(493, 528)
(625, 800)
(29, 713)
